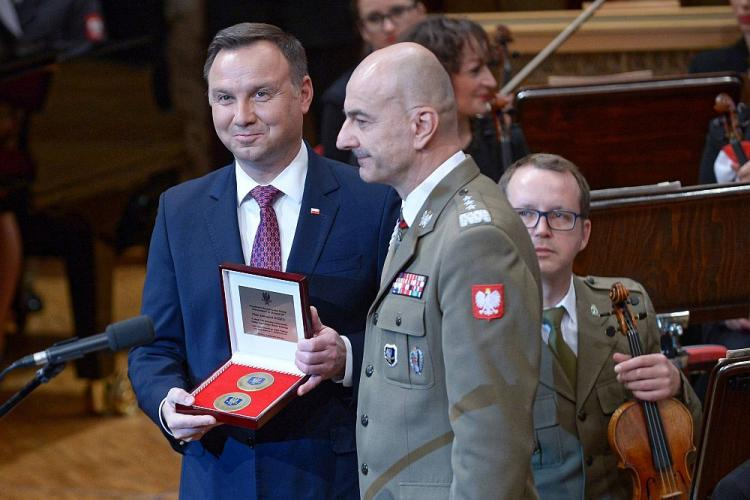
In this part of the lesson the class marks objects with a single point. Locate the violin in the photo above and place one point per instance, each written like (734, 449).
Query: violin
(651, 440)
(736, 149)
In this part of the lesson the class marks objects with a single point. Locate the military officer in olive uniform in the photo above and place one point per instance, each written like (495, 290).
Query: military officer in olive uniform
(586, 369)
(452, 347)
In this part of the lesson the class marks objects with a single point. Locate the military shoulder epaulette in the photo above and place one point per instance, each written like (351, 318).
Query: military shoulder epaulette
(471, 209)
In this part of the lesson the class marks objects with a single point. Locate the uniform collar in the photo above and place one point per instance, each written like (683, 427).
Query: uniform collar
(414, 200)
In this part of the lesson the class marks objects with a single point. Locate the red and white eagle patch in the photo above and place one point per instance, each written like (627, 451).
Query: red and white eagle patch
(488, 301)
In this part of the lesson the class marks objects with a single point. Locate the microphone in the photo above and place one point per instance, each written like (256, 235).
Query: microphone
(121, 335)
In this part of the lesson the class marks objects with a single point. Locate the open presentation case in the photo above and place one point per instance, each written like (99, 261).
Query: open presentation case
(267, 312)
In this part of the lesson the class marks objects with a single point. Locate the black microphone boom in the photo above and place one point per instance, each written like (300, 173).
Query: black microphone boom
(117, 336)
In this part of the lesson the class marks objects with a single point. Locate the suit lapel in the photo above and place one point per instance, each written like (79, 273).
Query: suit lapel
(313, 230)
(424, 223)
(221, 218)
(594, 346)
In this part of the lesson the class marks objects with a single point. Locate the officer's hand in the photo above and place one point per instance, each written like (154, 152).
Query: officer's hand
(185, 427)
(651, 377)
(322, 357)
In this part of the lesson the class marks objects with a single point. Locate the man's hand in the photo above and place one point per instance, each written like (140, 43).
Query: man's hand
(322, 357)
(651, 377)
(185, 427)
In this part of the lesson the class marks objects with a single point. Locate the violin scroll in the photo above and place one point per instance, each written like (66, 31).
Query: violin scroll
(619, 296)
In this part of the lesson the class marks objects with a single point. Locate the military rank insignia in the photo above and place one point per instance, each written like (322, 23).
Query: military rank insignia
(488, 301)
(409, 284)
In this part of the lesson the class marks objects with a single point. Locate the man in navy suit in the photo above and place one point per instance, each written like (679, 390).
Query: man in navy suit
(332, 227)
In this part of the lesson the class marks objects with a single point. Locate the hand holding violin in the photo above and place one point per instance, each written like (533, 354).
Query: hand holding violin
(650, 377)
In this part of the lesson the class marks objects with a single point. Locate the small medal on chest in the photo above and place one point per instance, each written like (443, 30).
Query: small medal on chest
(416, 360)
(390, 353)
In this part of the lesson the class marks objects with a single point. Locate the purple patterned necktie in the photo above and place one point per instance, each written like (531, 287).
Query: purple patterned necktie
(267, 244)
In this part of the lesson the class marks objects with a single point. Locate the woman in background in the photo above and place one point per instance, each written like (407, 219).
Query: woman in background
(462, 47)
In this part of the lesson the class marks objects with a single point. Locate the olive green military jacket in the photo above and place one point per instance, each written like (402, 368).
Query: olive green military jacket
(571, 423)
(451, 358)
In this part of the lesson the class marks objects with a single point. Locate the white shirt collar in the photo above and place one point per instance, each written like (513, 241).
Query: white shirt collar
(290, 181)
(569, 324)
(413, 202)
(569, 301)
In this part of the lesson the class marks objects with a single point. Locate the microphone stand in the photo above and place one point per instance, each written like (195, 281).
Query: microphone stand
(43, 375)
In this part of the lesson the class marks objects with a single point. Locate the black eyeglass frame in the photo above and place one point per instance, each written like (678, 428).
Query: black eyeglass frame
(374, 20)
(545, 214)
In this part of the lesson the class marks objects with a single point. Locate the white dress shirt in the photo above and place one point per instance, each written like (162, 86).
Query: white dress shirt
(413, 202)
(569, 323)
(291, 183)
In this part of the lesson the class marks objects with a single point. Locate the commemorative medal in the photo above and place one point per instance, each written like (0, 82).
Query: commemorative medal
(256, 381)
(416, 360)
(594, 310)
(232, 401)
(390, 353)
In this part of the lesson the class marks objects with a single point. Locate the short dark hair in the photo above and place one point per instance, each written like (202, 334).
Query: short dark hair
(556, 163)
(245, 34)
(446, 38)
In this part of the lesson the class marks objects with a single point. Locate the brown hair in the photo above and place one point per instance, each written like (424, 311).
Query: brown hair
(245, 34)
(556, 163)
(446, 38)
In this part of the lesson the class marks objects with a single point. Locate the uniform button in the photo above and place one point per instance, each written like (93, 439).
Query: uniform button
(251, 442)
(582, 416)
(463, 192)
(398, 320)
(369, 370)
(589, 460)
(364, 469)
(365, 420)
(375, 319)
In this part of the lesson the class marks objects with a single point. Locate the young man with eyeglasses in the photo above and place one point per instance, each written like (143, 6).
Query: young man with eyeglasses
(585, 371)
(380, 23)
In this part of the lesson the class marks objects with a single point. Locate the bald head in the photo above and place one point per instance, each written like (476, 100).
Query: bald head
(411, 75)
(401, 119)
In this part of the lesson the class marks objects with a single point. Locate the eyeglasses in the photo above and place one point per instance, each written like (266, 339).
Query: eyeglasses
(374, 20)
(557, 220)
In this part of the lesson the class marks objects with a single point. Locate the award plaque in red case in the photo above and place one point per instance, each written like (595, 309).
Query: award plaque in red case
(267, 312)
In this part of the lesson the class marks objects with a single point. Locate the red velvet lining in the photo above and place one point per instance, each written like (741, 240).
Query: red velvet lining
(260, 400)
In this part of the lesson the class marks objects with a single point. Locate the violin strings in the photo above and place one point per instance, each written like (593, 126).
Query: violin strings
(656, 430)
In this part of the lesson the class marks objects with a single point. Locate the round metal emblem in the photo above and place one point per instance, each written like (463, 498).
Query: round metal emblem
(256, 381)
(232, 401)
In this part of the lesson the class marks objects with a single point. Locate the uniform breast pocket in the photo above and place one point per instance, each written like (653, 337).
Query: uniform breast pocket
(548, 449)
(611, 395)
(406, 360)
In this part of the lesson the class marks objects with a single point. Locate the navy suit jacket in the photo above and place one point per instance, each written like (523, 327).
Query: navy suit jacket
(308, 449)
